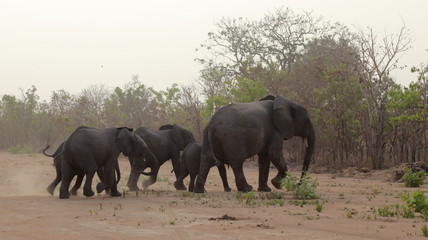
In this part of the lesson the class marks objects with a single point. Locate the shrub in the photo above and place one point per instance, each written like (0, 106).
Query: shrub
(18, 149)
(417, 202)
(413, 179)
(305, 188)
(425, 231)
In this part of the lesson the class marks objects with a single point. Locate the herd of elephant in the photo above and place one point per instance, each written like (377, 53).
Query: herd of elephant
(234, 133)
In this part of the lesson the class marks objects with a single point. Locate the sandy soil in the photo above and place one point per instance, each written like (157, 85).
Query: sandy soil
(29, 212)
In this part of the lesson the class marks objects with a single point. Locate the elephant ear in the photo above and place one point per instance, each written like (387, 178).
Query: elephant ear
(125, 141)
(268, 97)
(145, 151)
(283, 116)
(177, 136)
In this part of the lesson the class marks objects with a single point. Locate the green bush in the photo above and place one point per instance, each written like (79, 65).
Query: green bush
(413, 179)
(417, 202)
(303, 188)
(396, 210)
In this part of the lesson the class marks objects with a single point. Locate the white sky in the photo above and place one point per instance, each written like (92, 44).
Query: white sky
(55, 44)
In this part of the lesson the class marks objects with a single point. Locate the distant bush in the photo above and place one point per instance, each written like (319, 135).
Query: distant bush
(413, 179)
(20, 149)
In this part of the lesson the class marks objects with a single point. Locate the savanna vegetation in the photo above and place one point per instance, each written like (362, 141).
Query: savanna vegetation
(344, 78)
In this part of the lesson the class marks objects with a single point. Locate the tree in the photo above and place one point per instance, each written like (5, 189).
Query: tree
(134, 106)
(408, 109)
(377, 59)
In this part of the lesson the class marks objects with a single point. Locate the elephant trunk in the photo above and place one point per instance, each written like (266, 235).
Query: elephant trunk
(309, 150)
(153, 163)
(133, 179)
(148, 173)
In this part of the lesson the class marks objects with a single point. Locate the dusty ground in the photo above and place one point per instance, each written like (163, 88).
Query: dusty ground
(29, 212)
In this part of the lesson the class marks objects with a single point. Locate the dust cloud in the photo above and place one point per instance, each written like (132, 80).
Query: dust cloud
(24, 183)
(24, 175)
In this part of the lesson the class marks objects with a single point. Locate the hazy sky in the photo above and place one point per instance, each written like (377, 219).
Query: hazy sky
(55, 44)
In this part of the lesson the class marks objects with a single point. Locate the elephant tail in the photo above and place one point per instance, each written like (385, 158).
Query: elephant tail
(44, 151)
(57, 153)
(211, 149)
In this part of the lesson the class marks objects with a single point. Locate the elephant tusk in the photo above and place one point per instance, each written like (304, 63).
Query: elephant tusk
(305, 141)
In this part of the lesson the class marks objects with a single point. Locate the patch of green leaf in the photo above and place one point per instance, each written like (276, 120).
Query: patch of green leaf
(417, 202)
(18, 149)
(303, 188)
(413, 179)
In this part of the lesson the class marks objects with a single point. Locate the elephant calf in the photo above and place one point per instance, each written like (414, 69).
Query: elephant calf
(165, 143)
(189, 164)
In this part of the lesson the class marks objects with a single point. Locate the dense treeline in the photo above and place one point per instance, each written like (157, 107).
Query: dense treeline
(363, 117)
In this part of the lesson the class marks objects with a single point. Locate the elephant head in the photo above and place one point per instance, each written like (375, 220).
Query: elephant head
(292, 119)
(140, 156)
(182, 137)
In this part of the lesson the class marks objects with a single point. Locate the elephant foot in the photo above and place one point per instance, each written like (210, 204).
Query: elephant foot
(227, 189)
(247, 188)
(50, 190)
(73, 192)
(116, 194)
(199, 190)
(88, 193)
(264, 189)
(133, 188)
(147, 183)
(64, 195)
(100, 187)
(179, 185)
(276, 182)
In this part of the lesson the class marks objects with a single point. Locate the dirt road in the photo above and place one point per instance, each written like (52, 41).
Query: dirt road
(344, 210)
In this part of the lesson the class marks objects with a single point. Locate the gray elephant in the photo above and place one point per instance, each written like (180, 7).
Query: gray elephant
(89, 150)
(80, 174)
(189, 164)
(239, 131)
(165, 143)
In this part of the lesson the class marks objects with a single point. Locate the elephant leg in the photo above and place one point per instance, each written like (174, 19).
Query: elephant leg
(57, 179)
(200, 180)
(111, 182)
(87, 188)
(176, 166)
(192, 182)
(101, 186)
(264, 165)
(222, 171)
(78, 183)
(179, 185)
(53, 185)
(67, 175)
(281, 165)
(241, 182)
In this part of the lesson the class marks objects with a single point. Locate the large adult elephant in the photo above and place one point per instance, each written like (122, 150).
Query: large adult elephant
(239, 131)
(89, 149)
(165, 143)
(189, 165)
